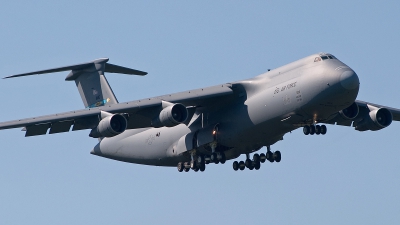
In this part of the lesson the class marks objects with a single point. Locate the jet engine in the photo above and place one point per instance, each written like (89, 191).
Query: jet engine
(350, 113)
(110, 126)
(171, 115)
(376, 119)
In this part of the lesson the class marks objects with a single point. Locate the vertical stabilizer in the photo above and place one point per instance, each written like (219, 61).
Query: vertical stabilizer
(90, 80)
(93, 85)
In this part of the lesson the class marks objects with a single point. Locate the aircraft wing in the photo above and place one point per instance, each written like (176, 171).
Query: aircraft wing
(364, 110)
(395, 112)
(138, 113)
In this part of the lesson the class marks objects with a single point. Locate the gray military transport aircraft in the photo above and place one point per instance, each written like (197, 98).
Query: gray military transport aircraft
(211, 125)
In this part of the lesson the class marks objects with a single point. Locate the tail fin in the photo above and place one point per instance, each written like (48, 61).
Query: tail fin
(90, 80)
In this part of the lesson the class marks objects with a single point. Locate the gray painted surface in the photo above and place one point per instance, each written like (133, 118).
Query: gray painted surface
(245, 115)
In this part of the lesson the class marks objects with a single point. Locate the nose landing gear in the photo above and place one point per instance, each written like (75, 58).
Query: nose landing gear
(314, 129)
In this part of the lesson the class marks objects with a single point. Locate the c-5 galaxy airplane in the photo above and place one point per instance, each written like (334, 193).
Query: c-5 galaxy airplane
(214, 124)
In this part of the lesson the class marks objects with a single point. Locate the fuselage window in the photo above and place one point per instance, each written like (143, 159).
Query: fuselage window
(317, 59)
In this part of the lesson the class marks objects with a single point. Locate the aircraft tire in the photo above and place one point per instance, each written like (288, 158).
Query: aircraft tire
(235, 166)
(214, 158)
(248, 163)
(193, 164)
(277, 156)
(323, 129)
(186, 169)
(202, 167)
(317, 129)
(200, 159)
(270, 156)
(257, 166)
(312, 130)
(256, 158)
(241, 165)
(306, 130)
(262, 158)
(251, 167)
(223, 158)
(180, 166)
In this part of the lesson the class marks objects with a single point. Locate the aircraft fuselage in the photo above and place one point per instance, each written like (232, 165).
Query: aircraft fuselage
(262, 110)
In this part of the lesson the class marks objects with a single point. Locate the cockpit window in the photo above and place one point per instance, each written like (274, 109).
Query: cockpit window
(324, 57)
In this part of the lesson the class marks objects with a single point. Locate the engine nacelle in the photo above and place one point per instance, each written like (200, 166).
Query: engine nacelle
(110, 126)
(171, 116)
(350, 112)
(376, 120)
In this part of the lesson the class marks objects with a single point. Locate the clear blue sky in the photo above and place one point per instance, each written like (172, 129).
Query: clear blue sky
(345, 177)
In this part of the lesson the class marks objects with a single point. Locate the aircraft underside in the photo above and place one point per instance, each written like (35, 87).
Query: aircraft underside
(194, 128)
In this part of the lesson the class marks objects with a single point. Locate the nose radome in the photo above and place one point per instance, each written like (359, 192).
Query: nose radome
(349, 80)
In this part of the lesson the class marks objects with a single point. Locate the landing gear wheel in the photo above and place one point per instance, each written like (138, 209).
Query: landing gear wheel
(200, 160)
(251, 167)
(270, 156)
(186, 166)
(262, 157)
(214, 158)
(241, 165)
(277, 156)
(306, 130)
(248, 163)
(202, 167)
(312, 129)
(196, 169)
(180, 166)
(223, 158)
(235, 166)
(323, 129)
(257, 166)
(193, 164)
(317, 129)
(256, 158)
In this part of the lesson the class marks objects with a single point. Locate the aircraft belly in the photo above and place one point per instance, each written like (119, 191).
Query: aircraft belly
(147, 147)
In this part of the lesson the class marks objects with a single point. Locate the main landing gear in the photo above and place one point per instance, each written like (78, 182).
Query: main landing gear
(199, 162)
(257, 160)
(314, 129)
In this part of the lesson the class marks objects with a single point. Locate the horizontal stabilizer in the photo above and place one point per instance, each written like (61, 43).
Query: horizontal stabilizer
(111, 68)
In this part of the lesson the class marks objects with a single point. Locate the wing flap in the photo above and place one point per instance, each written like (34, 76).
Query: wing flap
(60, 127)
(38, 129)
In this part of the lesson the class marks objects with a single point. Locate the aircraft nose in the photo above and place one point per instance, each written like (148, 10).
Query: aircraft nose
(349, 80)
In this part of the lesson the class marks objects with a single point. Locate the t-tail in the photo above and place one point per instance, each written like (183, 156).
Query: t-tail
(90, 80)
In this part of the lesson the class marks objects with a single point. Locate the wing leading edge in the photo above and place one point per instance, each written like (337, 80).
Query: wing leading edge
(363, 115)
(139, 113)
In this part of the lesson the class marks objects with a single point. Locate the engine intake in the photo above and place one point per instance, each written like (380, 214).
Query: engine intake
(376, 120)
(171, 116)
(350, 113)
(110, 126)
